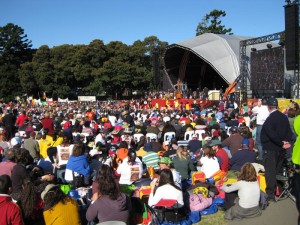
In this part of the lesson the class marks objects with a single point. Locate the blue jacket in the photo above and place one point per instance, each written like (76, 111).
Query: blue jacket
(79, 164)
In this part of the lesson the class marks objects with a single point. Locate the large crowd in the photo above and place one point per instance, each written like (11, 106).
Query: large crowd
(89, 162)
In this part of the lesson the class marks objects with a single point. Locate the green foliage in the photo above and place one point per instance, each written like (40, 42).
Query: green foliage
(15, 49)
(114, 68)
(211, 23)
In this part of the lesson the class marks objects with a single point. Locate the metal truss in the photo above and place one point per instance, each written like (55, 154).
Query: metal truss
(244, 70)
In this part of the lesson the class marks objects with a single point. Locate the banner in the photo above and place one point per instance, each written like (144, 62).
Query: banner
(87, 98)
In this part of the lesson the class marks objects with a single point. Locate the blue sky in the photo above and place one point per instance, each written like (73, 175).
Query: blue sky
(57, 22)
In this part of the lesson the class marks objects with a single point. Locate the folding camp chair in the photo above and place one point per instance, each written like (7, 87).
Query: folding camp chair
(167, 210)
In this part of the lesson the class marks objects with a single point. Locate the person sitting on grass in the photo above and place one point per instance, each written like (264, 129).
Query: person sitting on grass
(245, 204)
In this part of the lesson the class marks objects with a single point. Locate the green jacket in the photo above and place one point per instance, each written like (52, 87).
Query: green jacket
(296, 149)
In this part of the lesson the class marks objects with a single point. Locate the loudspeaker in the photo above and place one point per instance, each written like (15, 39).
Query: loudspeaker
(292, 36)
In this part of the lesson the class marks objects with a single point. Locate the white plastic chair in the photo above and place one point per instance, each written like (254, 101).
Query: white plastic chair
(227, 130)
(169, 134)
(112, 223)
(150, 136)
(85, 135)
(199, 133)
(137, 136)
(188, 135)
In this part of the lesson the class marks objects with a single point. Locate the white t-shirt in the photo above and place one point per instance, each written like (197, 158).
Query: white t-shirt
(166, 191)
(64, 153)
(248, 192)
(262, 114)
(209, 166)
(112, 120)
(130, 173)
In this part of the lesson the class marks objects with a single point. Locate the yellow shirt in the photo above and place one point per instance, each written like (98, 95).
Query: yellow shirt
(44, 145)
(58, 142)
(63, 214)
(141, 152)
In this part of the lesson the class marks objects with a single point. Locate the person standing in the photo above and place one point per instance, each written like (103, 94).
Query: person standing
(262, 113)
(276, 135)
(9, 123)
(296, 162)
(32, 146)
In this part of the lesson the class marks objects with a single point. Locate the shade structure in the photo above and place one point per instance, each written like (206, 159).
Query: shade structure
(208, 60)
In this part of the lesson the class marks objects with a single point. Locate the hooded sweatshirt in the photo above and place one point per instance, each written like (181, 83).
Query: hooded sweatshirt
(10, 212)
(79, 164)
(106, 209)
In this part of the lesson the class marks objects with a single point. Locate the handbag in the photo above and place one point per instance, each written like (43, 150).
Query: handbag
(199, 203)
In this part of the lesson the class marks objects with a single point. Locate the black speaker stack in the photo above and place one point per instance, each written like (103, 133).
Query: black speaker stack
(292, 35)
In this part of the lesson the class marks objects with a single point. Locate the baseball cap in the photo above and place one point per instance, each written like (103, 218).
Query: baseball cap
(14, 141)
(207, 138)
(233, 129)
(246, 142)
(94, 152)
(165, 160)
(215, 142)
(272, 101)
(194, 136)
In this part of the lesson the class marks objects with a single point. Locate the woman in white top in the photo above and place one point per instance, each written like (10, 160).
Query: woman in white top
(246, 205)
(209, 162)
(166, 189)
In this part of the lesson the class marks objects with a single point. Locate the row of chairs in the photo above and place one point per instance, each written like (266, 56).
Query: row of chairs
(169, 135)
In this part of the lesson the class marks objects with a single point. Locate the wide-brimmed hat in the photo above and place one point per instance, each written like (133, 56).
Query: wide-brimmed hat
(115, 132)
(47, 189)
(215, 142)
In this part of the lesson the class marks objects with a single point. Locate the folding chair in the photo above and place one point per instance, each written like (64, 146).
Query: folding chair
(199, 133)
(168, 135)
(188, 135)
(150, 136)
(112, 223)
(167, 210)
(137, 136)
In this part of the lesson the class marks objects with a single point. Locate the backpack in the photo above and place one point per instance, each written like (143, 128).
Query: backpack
(263, 201)
(199, 203)
(198, 176)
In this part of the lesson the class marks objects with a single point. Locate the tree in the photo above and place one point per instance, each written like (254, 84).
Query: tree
(15, 49)
(211, 23)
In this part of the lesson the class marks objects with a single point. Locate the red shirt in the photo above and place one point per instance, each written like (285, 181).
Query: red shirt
(48, 123)
(21, 119)
(10, 212)
(222, 154)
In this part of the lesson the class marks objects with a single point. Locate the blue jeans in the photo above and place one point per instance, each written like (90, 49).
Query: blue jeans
(60, 174)
(258, 142)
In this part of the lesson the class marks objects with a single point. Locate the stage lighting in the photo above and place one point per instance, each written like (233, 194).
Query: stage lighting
(269, 46)
(253, 49)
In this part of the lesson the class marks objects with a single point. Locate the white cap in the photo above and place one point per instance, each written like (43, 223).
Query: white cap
(194, 136)
(207, 138)
(94, 152)
(14, 141)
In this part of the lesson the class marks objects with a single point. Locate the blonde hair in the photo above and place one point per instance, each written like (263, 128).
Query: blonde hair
(179, 152)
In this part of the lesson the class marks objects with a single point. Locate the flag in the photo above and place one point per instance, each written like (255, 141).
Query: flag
(229, 90)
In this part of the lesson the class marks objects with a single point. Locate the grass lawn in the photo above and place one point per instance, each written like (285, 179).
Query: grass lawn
(214, 219)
